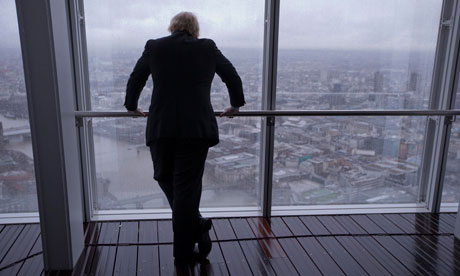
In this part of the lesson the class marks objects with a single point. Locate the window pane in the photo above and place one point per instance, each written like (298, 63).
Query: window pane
(347, 160)
(124, 169)
(17, 178)
(451, 186)
(116, 35)
(354, 54)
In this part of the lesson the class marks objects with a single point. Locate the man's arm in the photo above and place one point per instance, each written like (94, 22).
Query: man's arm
(230, 77)
(137, 81)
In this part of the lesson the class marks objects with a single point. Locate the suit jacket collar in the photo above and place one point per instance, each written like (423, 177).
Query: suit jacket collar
(181, 32)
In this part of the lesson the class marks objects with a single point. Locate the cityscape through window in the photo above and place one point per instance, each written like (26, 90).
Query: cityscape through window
(18, 193)
(332, 55)
(115, 40)
(352, 55)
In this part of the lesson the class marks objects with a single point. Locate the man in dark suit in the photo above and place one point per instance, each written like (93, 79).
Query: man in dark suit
(181, 125)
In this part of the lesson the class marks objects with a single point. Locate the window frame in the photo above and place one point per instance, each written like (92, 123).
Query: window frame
(441, 98)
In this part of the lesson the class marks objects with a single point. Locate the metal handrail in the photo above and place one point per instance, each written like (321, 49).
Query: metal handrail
(279, 113)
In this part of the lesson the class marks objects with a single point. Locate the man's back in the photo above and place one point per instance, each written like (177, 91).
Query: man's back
(182, 69)
(181, 125)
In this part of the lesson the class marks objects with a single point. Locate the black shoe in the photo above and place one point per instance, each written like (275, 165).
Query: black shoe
(191, 260)
(184, 262)
(204, 241)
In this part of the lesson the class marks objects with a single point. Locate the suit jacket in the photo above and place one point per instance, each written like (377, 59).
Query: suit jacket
(182, 69)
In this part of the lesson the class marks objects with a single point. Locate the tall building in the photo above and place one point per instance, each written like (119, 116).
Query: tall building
(413, 81)
(336, 98)
(378, 81)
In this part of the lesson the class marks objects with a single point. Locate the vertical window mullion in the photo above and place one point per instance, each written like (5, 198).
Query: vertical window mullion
(268, 102)
(83, 100)
(442, 94)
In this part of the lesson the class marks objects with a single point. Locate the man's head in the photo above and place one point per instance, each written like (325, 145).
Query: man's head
(185, 21)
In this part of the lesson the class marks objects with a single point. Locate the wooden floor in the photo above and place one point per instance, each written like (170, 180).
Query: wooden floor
(390, 244)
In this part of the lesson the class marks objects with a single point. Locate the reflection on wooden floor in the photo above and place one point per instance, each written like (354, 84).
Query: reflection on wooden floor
(389, 244)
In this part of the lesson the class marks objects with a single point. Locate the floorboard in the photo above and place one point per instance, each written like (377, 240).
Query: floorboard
(320, 257)
(258, 262)
(360, 254)
(424, 253)
(440, 225)
(371, 244)
(223, 229)
(402, 223)
(37, 248)
(148, 232)
(109, 233)
(11, 270)
(386, 259)
(23, 245)
(279, 228)
(448, 218)
(165, 231)
(166, 259)
(260, 227)
(32, 266)
(414, 264)
(8, 237)
(92, 233)
(314, 225)
(128, 232)
(367, 224)
(441, 251)
(147, 260)
(333, 226)
(296, 226)
(299, 258)
(216, 264)
(235, 259)
(385, 224)
(350, 225)
(277, 257)
(83, 266)
(422, 223)
(125, 261)
(103, 260)
(242, 228)
(341, 256)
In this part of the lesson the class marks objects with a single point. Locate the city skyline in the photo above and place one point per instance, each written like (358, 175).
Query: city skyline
(326, 61)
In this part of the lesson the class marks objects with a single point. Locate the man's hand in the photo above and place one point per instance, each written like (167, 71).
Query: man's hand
(138, 111)
(230, 111)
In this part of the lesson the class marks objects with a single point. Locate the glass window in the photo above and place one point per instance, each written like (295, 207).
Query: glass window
(116, 34)
(347, 160)
(451, 185)
(17, 178)
(356, 54)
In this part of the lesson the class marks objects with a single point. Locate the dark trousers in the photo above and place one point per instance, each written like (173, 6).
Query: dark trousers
(178, 167)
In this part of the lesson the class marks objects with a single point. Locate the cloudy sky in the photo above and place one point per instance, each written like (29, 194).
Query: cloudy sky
(341, 24)
(405, 24)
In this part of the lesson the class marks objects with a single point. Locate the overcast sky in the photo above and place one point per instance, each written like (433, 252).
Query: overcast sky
(349, 24)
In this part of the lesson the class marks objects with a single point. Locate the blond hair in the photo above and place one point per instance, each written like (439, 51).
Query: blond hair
(185, 21)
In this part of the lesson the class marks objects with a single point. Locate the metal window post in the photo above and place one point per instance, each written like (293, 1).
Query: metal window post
(269, 102)
(44, 33)
(443, 90)
(83, 101)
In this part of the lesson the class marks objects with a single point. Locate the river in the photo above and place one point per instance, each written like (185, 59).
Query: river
(129, 170)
